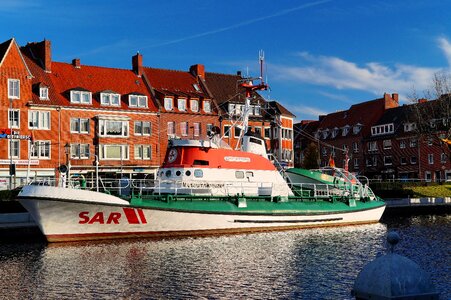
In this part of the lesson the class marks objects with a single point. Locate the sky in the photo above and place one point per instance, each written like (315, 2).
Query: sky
(321, 56)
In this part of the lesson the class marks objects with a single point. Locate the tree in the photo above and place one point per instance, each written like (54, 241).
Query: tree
(311, 157)
(433, 118)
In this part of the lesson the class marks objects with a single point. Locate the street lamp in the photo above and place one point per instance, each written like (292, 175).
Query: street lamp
(67, 151)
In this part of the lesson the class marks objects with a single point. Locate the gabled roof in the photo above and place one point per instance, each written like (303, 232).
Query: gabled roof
(174, 83)
(66, 77)
(4, 48)
(280, 109)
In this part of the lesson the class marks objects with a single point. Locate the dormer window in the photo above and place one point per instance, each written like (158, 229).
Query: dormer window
(382, 129)
(409, 127)
(43, 93)
(196, 87)
(110, 99)
(137, 101)
(335, 132)
(80, 97)
(168, 103)
(232, 109)
(345, 130)
(194, 104)
(257, 110)
(181, 105)
(13, 88)
(356, 129)
(317, 134)
(207, 107)
(325, 133)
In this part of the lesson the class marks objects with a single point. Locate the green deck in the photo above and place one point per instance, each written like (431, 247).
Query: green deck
(253, 205)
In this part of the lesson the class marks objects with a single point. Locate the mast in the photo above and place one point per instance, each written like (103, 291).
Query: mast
(249, 86)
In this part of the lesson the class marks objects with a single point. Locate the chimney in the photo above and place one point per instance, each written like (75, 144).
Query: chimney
(390, 101)
(42, 52)
(238, 73)
(137, 64)
(76, 63)
(395, 97)
(198, 70)
(422, 100)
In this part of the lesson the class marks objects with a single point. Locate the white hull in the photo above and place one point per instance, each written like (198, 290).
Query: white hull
(64, 216)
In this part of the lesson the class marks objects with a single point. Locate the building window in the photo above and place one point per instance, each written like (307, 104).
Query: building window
(110, 99)
(431, 158)
(80, 97)
(79, 151)
(14, 118)
(355, 147)
(113, 152)
(143, 152)
(194, 104)
(345, 130)
(335, 132)
(428, 176)
(410, 127)
(402, 144)
(38, 119)
(356, 163)
(78, 125)
(13, 88)
(207, 106)
(143, 128)
(168, 103)
(181, 105)
(372, 146)
(196, 129)
(257, 110)
(226, 130)
(258, 131)
(356, 129)
(443, 158)
(113, 128)
(171, 128)
(403, 161)
(40, 149)
(388, 161)
(413, 160)
(232, 110)
(137, 101)
(44, 93)
(184, 128)
(14, 148)
(325, 133)
(209, 127)
(382, 129)
(413, 143)
(237, 132)
(324, 151)
(387, 144)
(267, 132)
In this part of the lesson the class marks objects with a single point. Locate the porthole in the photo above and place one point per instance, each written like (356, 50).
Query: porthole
(198, 173)
(168, 173)
(188, 173)
(178, 173)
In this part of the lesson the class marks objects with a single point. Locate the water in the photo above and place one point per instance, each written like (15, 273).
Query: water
(303, 264)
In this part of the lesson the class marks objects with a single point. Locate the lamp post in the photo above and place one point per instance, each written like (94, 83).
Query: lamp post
(67, 151)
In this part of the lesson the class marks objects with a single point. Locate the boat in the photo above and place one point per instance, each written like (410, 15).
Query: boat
(203, 188)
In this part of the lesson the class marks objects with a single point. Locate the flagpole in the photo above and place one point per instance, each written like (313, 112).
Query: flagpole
(30, 149)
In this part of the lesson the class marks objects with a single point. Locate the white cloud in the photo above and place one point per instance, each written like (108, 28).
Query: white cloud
(303, 112)
(373, 77)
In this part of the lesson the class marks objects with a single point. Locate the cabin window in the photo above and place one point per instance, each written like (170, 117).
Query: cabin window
(198, 173)
(249, 174)
(255, 141)
(237, 132)
(226, 130)
(239, 174)
(200, 162)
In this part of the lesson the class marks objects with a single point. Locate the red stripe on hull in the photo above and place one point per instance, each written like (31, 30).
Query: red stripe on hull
(131, 216)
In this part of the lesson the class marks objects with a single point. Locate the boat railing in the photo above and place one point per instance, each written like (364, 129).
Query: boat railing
(322, 190)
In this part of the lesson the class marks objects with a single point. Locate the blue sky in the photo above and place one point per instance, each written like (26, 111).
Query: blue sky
(322, 56)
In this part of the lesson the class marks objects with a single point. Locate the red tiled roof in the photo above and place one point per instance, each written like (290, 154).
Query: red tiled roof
(174, 83)
(65, 77)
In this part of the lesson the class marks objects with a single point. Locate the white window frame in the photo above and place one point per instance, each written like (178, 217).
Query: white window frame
(383, 129)
(39, 152)
(124, 150)
(207, 106)
(143, 152)
(181, 104)
(372, 146)
(387, 144)
(413, 143)
(82, 96)
(194, 105)
(184, 128)
(257, 110)
(109, 99)
(428, 176)
(13, 88)
(168, 103)
(143, 124)
(356, 163)
(78, 123)
(227, 130)
(389, 163)
(103, 126)
(196, 129)
(443, 158)
(44, 93)
(171, 128)
(137, 101)
(344, 130)
(402, 144)
(39, 119)
(11, 118)
(355, 147)
(80, 151)
(431, 158)
(356, 129)
(15, 146)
